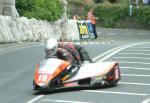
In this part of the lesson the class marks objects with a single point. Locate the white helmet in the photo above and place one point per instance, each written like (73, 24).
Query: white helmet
(51, 46)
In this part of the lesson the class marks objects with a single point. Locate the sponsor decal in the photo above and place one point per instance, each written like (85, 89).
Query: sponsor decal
(85, 29)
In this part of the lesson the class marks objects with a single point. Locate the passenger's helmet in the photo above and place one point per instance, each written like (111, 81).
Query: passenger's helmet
(51, 46)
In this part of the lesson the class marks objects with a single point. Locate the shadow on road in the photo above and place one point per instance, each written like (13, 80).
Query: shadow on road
(69, 89)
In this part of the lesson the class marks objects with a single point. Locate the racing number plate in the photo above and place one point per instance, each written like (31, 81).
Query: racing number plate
(43, 77)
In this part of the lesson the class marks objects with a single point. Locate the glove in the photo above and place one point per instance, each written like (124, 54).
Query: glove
(75, 65)
(86, 62)
(91, 61)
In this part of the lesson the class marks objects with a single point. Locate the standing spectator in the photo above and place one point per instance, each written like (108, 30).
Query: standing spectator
(92, 18)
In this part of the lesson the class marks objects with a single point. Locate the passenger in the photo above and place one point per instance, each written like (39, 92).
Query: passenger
(52, 50)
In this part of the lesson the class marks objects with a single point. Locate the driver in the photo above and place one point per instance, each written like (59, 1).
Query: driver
(77, 52)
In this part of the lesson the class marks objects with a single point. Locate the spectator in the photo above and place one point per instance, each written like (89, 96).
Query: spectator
(92, 18)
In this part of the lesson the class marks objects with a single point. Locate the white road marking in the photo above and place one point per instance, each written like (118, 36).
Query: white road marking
(146, 100)
(146, 54)
(63, 101)
(141, 47)
(134, 62)
(113, 92)
(113, 51)
(135, 75)
(131, 58)
(131, 83)
(116, 50)
(138, 50)
(35, 99)
(134, 68)
(145, 45)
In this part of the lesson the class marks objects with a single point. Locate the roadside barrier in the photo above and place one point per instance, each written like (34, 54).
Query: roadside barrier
(85, 29)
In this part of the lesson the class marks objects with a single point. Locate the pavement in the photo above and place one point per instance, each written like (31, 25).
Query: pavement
(121, 36)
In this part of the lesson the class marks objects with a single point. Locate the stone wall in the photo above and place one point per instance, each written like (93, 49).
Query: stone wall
(16, 29)
(24, 29)
(7, 8)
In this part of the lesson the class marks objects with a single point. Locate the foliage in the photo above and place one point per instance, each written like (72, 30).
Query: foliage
(144, 15)
(111, 15)
(116, 15)
(108, 14)
(112, 1)
(40, 9)
(24, 5)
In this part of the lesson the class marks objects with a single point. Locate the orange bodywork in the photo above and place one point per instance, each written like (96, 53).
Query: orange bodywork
(45, 77)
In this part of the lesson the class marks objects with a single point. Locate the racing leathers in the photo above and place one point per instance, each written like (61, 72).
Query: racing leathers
(78, 52)
(63, 55)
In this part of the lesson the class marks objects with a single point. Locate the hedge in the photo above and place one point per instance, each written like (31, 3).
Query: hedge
(40, 9)
(108, 15)
(112, 14)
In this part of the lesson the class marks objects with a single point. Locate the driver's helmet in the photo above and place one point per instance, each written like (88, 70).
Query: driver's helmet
(51, 46)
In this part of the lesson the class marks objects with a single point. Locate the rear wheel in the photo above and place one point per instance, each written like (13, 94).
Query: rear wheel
(113, 83)
(98, 82)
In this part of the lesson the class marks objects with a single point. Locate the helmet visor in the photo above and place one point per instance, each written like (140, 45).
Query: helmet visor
(52, 51)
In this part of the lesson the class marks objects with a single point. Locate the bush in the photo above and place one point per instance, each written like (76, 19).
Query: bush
(98, 1)
(108, 14)
(117, 16)
(112, 1)
(144, 15)
(24, 5)
(40, 9)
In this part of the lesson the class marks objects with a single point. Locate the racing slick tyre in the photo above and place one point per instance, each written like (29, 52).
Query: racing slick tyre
(98, 83)
(113, 83)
